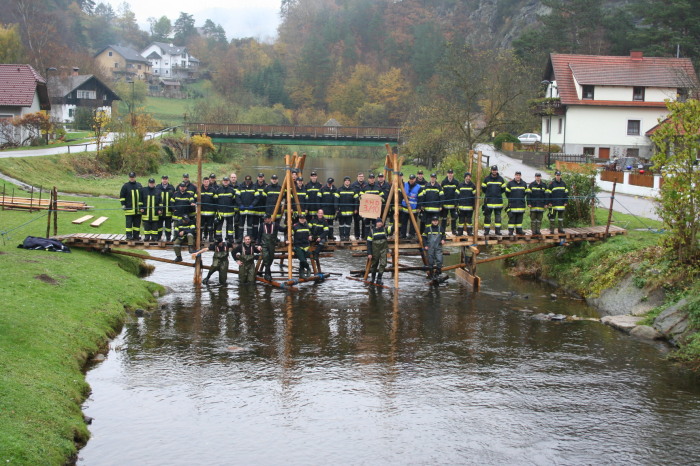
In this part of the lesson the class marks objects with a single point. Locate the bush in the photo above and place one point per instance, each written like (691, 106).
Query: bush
(131, 153)
(582, 192)
(504, 137)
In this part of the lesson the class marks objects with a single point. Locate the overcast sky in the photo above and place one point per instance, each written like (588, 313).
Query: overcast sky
(239, 18)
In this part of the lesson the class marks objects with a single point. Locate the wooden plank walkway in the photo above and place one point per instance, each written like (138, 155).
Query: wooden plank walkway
(571, 235)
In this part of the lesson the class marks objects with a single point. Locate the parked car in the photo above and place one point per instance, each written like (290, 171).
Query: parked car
(529, 138)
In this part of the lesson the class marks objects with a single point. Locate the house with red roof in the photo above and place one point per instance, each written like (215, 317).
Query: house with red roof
(22, 91)
(605, 105)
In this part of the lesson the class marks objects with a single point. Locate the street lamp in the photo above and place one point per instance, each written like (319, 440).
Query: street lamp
(131, 104)
(551, 86)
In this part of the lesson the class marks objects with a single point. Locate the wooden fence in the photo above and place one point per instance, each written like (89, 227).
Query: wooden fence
(640, 180)
(606, 175)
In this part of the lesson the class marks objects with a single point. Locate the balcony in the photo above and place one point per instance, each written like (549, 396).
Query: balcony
(546, 106)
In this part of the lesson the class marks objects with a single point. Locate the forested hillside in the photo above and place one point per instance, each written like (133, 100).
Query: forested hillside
(365, 62)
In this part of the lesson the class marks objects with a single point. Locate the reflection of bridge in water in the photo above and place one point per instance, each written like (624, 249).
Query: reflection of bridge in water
(297, 135)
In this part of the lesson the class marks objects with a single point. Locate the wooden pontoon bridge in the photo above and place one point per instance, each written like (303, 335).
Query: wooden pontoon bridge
(468, 246)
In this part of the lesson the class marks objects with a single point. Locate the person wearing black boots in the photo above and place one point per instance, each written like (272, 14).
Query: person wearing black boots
(151, 208)
(466, 197)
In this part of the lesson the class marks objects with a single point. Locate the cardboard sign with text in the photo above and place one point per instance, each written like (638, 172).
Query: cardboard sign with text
(370, 206)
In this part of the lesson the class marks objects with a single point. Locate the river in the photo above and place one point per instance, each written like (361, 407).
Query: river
(341, 373)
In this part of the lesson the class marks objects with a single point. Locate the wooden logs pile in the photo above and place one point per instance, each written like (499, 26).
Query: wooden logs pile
(28, 203)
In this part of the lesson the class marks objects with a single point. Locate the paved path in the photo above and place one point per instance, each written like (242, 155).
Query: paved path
(635, 205)
(54, 150)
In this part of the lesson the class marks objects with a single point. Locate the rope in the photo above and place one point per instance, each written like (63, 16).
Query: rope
(6, 233)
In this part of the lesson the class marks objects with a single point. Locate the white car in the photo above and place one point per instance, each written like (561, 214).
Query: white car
(529, 138)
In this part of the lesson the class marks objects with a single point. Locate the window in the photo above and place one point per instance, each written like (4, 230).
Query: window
(561, 125)
(71, 112)
(632, 152)
(86, 94)
(110, 54)
(589, 151)
(638, 93)
(682, 94)
(588, 92)
(633, 127)
(546, 126)
(139, 66)
(116, 65)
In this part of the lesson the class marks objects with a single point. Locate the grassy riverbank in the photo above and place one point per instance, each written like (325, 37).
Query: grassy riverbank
(57, 310)
(590, 269)
(60, 171)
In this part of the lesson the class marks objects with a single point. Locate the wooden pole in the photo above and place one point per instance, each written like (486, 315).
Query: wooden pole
(31, 200)
(48, 216)
(593, 199)
(198, 237)
(288, 192)
(395, 184)
(612, 201)
(55, 211)
(471, 161)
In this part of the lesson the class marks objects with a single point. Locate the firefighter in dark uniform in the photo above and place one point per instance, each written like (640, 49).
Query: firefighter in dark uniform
(260, 208)
(247, 199)
(377, 248)
(430, 199)
(165, 221)
(433, 239)
(300, 208)
(537, 201)
(225, 199)
(516, 190)
(151, 208)
(184, 231)
(385, 188)
(301, 239)
(244, 255)
(190, 186)
(420, 179)
(557, 199)
(466, 197)
(346, 207)
(412, 190)
(268, 199)
(219, 263)
(319, 234)
(370, 188)
(208, 200)
(358, 186)
(130, 198)
(313, 197)
(212, 181)
(329, 196)
(183, 202)
(450, 186)
(493, 187)
(268, 240)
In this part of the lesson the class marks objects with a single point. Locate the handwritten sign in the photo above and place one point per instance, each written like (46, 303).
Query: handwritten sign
(370, 206)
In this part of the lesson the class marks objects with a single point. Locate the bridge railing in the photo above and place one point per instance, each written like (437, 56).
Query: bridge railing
(295, 131)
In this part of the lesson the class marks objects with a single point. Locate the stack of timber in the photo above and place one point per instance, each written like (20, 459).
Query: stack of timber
(29, 203)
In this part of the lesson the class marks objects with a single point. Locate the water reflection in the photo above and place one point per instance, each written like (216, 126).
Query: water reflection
(343, 373)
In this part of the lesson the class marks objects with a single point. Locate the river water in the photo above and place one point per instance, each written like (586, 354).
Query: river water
(342, 373)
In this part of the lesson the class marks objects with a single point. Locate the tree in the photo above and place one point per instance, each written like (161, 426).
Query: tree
(11, 50)
(184, 28)
(160, 28)
(473, 94)
(677, 141)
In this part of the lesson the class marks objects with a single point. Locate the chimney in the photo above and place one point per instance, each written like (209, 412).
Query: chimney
(636, 54)
(75, 71)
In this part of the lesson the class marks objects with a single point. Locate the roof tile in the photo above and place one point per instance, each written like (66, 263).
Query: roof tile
(18, 85)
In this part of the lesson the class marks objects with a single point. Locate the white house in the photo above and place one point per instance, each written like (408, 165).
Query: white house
(169, 61)
(604, 105)
(68, 93)
(22, 91)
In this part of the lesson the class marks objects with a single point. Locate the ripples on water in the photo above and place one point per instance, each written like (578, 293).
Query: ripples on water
(340, 373)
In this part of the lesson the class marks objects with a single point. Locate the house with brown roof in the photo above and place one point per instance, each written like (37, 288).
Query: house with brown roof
(69, 93)
(22, 91)
(604, 105)
(124, 63)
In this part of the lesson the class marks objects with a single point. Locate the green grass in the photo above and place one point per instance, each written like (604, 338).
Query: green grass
(57, 309)
(59, 171)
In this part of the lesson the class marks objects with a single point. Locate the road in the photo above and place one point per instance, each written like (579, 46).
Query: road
(54, 150)
(635, 205)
